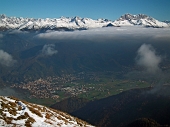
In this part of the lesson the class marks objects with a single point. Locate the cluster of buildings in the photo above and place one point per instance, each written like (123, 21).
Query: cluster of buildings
(50, 87)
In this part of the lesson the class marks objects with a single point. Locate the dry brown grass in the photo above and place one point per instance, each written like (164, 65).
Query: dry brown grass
(67, 116)
(47, 116)
(25, 116)
(29, 122)
(3, 99)
(13, 104)
(13, 111)
(59, 124)
(35, 106)
(35, 111)
(44, 109)
(19, 108)
(4, 105)
(10, 108)
(47, 121)
(1, 111)
(21, 117)
(8, 120)
(14, 98)
(61, 118)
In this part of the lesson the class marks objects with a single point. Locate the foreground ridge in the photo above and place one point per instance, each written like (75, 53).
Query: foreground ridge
(14, 112)
(77, 23)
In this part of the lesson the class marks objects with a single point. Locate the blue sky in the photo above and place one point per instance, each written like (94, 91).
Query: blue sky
(110, 9)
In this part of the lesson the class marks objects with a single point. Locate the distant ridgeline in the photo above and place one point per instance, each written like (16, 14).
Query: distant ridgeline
(76, 23)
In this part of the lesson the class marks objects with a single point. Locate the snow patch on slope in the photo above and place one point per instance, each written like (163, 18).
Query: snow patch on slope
(14, 112)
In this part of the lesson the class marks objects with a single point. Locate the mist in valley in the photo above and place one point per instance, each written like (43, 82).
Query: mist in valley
(138, 53)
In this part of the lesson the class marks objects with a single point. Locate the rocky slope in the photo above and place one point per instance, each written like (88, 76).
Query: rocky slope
(14, 112)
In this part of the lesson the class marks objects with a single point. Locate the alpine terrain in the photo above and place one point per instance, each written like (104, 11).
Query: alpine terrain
(14, 112)
(77, 23)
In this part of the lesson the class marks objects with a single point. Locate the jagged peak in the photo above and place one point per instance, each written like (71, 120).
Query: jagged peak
(76, 18)
(166, 21)
(63, 17)
(134, 17)
(3, 16)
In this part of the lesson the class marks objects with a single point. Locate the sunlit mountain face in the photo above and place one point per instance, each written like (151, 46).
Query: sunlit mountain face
(76, 23)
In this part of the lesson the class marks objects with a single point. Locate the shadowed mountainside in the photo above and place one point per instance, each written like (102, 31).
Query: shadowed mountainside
(124, 108)
(145, 122)
(70, 104)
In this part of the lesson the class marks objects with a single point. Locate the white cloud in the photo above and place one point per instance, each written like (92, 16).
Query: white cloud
(106, 33)
(49, 50)
(148, 59)
(6, 59)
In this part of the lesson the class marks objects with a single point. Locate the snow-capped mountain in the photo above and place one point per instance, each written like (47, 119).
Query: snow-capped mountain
(166, 21)
(14, 112)
(63, 23)
(140, 19)
(76, 23)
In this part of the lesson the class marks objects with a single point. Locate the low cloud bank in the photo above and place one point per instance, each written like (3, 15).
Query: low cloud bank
(147, 58)
(49, 50)
(106, 33)
(6, 59)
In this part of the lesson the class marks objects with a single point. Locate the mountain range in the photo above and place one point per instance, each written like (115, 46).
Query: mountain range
(14, 112)
(77, 23)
